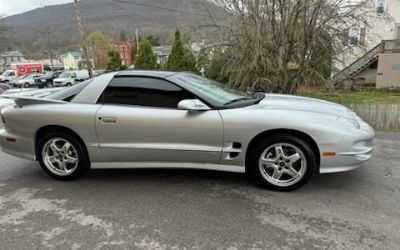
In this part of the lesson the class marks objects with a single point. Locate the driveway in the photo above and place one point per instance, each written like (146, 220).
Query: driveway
(192, 209)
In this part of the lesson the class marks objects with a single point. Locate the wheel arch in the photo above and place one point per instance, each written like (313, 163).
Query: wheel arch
(304, 136)
(58, 128)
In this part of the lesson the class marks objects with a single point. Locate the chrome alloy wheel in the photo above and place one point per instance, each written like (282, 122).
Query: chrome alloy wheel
(283, 164)
(60, 156)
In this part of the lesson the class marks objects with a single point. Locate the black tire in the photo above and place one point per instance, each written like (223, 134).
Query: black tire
(83, 159)
(253, 169)
(68, 84)
(49, 85)
(26, 85)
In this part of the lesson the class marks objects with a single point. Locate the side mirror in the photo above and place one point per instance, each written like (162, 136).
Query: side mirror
(192, 105)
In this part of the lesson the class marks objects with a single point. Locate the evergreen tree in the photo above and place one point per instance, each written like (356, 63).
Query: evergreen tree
(122, 36)
(146, 59)
(180, 58)
(114, 63)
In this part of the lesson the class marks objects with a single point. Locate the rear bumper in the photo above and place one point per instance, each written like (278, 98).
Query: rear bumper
(353, 151)
(19, 146)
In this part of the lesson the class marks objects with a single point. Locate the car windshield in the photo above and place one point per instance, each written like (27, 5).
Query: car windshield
(65, 75)
(49, 74)
(215, 93)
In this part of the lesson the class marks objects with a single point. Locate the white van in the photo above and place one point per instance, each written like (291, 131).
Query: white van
(8, 76)
(69, 78)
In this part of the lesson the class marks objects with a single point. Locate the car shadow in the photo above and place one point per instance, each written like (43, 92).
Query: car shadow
(192, 177)
(164, 175)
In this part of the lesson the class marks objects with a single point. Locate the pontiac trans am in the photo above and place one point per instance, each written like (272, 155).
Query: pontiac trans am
(155, 119)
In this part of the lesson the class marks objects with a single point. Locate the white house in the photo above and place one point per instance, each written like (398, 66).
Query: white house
(381, 38)
(71, 60)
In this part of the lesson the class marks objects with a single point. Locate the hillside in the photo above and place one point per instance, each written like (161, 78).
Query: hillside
(157, 17)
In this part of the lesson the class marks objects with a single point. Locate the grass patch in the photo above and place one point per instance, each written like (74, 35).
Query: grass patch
(356, 97)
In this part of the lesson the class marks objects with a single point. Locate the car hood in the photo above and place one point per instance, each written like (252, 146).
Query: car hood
(299, 103)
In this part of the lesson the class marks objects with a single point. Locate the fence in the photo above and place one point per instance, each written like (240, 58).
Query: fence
(382, 117)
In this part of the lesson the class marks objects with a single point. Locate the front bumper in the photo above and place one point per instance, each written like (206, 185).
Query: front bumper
(353, 151)
(59, 84)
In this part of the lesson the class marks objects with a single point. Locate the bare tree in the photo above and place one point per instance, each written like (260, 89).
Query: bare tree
(281, 44)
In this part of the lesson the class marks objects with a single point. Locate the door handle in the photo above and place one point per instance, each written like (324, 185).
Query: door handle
(108, 119)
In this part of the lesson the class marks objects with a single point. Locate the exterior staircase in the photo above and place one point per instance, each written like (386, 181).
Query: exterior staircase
(363, 62)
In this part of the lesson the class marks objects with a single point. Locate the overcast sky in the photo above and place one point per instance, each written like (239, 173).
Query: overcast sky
(12, 7)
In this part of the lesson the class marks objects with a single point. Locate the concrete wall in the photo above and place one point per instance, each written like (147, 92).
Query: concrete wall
(388, 75)
(369, 76)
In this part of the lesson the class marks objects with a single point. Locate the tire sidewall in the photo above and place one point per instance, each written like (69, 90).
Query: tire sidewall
(252, 166)
(83, 163)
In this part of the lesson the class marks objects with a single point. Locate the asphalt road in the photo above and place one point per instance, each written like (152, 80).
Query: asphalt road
(188, 209)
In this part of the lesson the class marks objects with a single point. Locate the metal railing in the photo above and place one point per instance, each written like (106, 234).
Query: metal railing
(391, 46)
(386, 46)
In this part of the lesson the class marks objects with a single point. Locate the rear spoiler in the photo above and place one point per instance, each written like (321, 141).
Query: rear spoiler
(26, 100)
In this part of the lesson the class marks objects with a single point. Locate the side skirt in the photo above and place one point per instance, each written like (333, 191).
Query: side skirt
(172, 165)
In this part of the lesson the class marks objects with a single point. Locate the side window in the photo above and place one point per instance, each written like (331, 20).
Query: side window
(143, 91)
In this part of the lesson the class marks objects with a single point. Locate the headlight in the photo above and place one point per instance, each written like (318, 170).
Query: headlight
(351, 121)
(43, 80)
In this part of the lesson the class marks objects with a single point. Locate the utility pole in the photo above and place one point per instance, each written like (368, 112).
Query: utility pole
(49, 50)
(137, 41)
(82, 34)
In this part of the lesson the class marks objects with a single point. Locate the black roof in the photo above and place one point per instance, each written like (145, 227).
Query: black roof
(153, 73)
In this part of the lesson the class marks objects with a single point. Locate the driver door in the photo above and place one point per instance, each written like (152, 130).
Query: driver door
(139, 121)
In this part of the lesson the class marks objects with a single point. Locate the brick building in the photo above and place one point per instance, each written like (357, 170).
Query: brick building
(125, 51)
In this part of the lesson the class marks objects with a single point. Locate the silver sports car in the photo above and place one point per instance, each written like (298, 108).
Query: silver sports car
(152, 119)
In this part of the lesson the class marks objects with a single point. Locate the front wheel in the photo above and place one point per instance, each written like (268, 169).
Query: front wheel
(281, 162)
(62, 156)
(26, 85)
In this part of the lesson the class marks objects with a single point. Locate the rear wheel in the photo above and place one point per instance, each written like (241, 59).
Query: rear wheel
(281, 162)
(68, 84)
(49, 85)
(62, 156)
(26, 85)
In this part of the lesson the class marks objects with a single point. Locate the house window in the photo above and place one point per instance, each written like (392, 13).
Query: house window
(398, 31)
(357, 35)
(380, 6)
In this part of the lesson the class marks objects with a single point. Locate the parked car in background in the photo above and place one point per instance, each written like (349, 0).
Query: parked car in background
(69, 78)
(8, 76)
(27, 81)
(47, 79)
